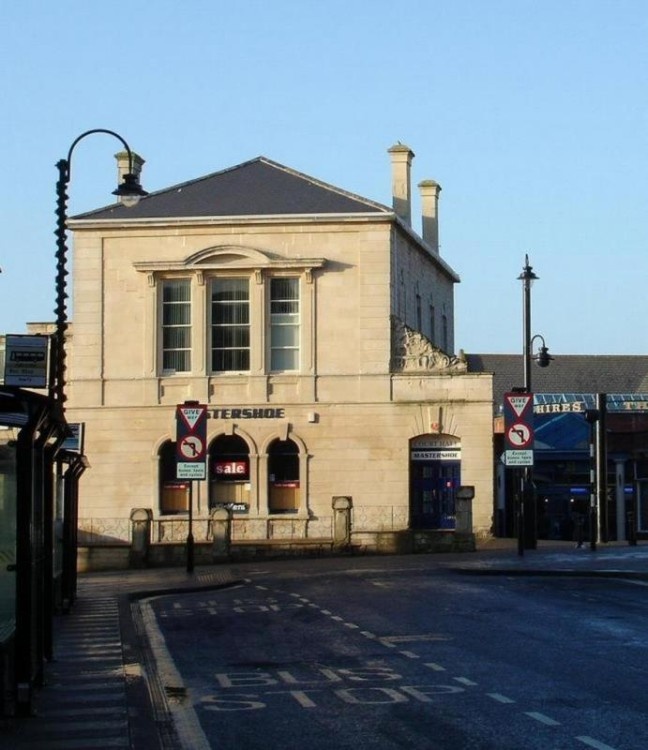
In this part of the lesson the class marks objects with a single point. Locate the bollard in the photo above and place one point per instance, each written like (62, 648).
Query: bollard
(342, 505)
(220, 520)
(141, 519)
(463, 509)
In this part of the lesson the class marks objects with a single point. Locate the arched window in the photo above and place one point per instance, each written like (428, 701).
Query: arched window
(174, 493)
(283, 477)
(229, 482)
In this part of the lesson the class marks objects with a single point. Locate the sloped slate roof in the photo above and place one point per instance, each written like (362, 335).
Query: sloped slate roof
(568, 373)
(259, 187)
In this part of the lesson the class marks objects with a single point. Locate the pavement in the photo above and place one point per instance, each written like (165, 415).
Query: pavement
(611, 560)
(96, 694)
(100, 689)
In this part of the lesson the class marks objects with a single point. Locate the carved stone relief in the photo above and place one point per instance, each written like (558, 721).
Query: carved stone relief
(414, 352)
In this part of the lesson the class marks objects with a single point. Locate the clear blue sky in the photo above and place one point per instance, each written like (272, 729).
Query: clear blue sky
(532, 115)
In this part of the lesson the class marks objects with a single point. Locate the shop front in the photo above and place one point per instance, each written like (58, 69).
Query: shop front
(435, 476)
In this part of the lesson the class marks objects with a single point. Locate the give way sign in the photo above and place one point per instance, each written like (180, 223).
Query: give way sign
(191, 440)
(518, 429)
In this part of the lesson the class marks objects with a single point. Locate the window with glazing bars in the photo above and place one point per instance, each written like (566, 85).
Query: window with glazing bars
(230, 325)
(284, 324)
(176, 325)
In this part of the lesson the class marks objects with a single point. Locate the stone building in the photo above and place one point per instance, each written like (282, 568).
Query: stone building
(315, 325)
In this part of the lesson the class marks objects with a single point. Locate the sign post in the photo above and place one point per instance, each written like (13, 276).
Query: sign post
(191, 456)
(518, 443)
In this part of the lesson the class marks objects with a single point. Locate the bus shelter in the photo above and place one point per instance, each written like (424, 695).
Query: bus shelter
(38, 488)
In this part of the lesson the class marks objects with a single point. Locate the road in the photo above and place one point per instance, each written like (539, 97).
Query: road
(401, 653)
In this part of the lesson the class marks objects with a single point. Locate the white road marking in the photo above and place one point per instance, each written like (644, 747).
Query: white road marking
(591, 742)
(418, 637)
(542, 718)
(185, 719)
(361, 571)
(500, 698)
(303, 700)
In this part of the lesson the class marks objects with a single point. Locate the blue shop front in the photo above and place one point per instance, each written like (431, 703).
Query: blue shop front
(578, 435)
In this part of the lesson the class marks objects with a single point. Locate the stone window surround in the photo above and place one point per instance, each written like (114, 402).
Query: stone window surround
(230, 260)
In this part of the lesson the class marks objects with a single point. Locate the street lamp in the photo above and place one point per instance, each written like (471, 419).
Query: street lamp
(542, 358)
(528, 511)
(130, 191)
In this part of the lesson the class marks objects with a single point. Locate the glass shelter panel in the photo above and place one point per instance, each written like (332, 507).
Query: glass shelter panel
(7, 532)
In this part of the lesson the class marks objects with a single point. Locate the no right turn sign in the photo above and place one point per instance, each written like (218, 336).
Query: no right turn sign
(518, 429)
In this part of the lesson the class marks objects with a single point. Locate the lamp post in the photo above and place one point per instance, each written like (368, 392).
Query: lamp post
(596, 419)
(527, 532)
(130, 191)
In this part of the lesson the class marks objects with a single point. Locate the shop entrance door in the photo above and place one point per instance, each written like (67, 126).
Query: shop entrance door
(432, 493)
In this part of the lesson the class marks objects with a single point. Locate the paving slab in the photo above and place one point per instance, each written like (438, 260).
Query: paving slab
(96, 694)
